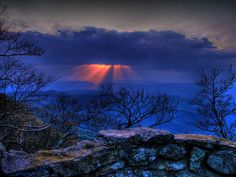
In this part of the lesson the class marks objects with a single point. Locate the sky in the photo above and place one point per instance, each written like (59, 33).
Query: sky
(159, 41)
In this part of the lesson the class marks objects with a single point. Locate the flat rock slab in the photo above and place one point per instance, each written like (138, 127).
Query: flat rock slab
(80, 158)
(135, 136)
(204, 141)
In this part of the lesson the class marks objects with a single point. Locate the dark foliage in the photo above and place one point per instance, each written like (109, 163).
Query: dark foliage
(65, 114)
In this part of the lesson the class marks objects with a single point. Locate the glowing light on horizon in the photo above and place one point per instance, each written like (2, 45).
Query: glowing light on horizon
(97, 73)
(117, 72)
(92, 72)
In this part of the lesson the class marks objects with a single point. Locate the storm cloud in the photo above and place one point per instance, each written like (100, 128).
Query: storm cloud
(166, 50)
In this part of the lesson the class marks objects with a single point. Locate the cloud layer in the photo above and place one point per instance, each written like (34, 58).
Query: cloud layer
(146, 51)
(214, 19)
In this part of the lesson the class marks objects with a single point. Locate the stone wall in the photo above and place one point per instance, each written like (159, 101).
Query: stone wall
(133, 152)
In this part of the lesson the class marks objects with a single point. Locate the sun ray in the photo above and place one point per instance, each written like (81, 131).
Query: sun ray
(129, 72)
(117, 73)
(96, 73)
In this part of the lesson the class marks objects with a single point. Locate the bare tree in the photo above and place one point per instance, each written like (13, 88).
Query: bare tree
(129, 108)
(64, 113)
(96, 110)
(19, 85)
(214, 102)
(16, 77)
(12, 44)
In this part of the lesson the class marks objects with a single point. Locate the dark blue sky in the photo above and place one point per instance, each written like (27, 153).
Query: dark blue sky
(163, 41)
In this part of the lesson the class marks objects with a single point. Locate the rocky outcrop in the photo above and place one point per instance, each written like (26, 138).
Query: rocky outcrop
(132, 152)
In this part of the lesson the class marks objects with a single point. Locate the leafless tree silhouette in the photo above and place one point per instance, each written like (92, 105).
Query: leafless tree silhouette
(21, 80)
(214, 102)
(19, 84)
(64, 113)
(12, 44)
(127, 108)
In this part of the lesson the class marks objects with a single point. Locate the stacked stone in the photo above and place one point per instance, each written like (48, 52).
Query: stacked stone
(137, 152)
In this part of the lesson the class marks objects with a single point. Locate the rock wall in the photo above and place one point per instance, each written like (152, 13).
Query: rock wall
(133, 152)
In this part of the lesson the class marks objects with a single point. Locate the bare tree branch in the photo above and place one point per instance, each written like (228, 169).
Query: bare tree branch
(125, 108)
(25, 128)
(215, 103)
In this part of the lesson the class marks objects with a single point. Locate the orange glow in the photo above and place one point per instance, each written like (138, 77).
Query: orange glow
(93, 72)
(121, 71)
(117, 73)
(96, 73)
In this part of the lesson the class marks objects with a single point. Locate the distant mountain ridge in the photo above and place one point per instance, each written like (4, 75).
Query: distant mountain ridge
(186, 115)
(187, 90)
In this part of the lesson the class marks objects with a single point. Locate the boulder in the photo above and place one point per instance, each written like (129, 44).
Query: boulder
(135, 136)
(172, 151)
(123, 173)
(15, 161)
(223, 162)
(110, 168)
(2, 154)
(187, 174)
(81, 158)
(2, 150)
(196, 158)
(144, 173)
(211, 174)
(169, 165)
(203, 141)
(141, 156)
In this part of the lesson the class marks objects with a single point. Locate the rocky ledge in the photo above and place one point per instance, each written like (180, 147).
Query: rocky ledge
(132, 152)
